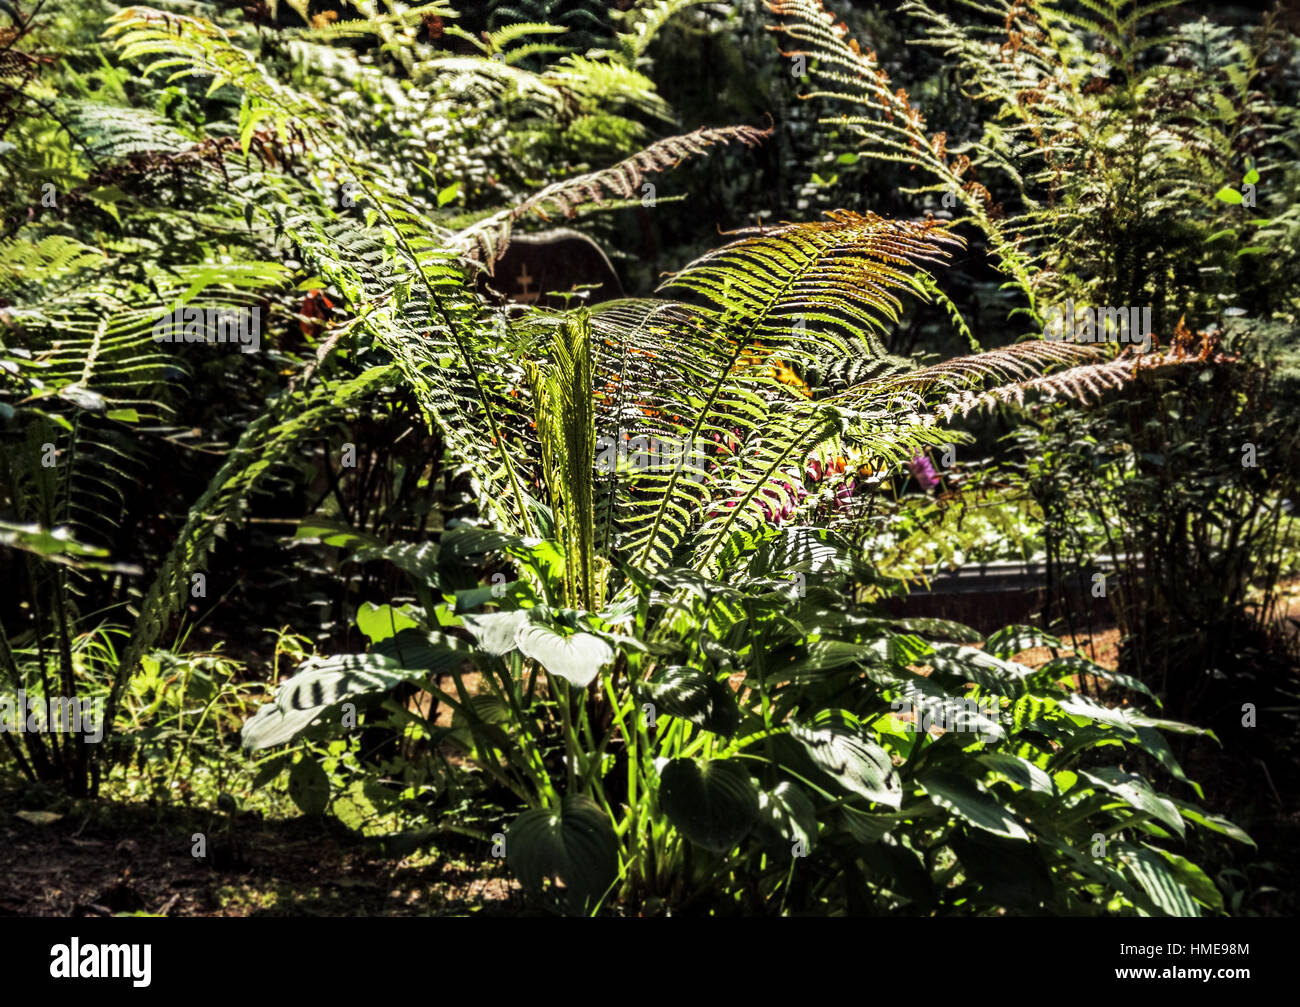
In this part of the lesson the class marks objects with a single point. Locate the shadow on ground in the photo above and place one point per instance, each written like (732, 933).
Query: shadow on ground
(100, 858)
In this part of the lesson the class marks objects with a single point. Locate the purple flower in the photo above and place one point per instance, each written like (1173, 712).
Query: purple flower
(924, 471)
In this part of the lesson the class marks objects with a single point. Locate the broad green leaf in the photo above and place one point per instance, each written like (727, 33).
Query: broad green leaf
(419, 559)
(866, 827)
(1194, 879)
(969, 801)
(1153, 742)
(1059, 669)
(270, 769)
(713, 804)
(1029, 710)
(58, 546)
(1215, 823)
(309, 786)
(921, 706)
(496, 632)
(1021, 772)
(418, 650)
(954, 664)
(941, 629)
(1124, 717)
(322, 682)
(354, 808)
(503, 593)
(1012, 640)
(822, 656)
(1137, 793)
(466, 541)
(837, 747)
(577, 658)
(1228, 194)
(696, 696)
(379, 622)
(566, 858)
(785, 817)
(1157, 879)
(335, 533)
(446, 195)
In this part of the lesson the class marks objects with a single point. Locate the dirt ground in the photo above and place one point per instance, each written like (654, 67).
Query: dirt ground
(105, 859)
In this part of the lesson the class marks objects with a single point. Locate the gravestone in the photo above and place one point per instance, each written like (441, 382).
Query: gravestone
(537, 265)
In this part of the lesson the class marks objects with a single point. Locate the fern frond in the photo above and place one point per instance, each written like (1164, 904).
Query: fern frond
(501, 39)
(611, 82)
(267, 442)
(705, 385)
(892, 128)
(1084, 383)
(486, 240)
(644, 21)
(53, 258)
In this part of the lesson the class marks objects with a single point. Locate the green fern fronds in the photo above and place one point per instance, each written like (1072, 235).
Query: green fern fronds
(53, 258)
(641, 23)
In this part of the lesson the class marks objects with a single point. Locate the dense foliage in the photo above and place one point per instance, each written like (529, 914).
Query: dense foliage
(611, 592)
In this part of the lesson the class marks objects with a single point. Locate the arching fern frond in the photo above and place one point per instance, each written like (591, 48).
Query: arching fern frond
(826, 283)
(703, 384)
(891, 127)
(26, 264)
(1084, 383)
(486, 240)
(266, 443)
(641, 23)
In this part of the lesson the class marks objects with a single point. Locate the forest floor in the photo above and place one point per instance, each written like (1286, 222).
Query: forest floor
(105, 858)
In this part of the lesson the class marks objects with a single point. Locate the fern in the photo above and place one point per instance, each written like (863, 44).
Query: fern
(1112, 142)
(486, 240)
(268, 441)
(25, 263)
(891, 127)
(642, 22)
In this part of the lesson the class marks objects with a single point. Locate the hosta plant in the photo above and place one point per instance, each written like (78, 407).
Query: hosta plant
(758, 743)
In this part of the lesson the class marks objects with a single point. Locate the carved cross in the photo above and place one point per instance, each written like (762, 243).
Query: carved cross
(525, 281)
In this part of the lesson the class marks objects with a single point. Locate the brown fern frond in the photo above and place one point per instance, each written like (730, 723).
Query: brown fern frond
(1009, 364)
(486, 241)
(1084, 383)
(1017, 371)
